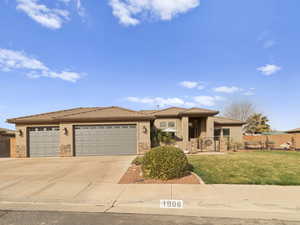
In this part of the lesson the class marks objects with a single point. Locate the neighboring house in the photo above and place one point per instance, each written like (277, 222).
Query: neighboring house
(114, 130)
(294, 131)
(5, 136)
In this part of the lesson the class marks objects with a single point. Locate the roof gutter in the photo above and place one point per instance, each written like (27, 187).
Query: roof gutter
(57, 120)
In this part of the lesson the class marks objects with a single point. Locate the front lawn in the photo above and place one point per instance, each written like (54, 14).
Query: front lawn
(264, 167)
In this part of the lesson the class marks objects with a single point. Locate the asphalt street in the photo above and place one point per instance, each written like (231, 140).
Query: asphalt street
(66, 218)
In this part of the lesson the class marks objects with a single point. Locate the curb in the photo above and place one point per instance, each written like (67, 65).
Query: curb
(199, 178)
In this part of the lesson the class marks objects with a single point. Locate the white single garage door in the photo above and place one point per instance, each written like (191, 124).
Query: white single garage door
(105, 140)
(43, 141)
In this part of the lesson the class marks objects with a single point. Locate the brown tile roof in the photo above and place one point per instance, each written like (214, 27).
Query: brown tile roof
(223, 120)
(50, 115)
(86, 114)
(177, 111)
(200, 111)
(297, 130)
(172, 111)
(148, 111)
(113, 113)
(108, 113)
(6, 131)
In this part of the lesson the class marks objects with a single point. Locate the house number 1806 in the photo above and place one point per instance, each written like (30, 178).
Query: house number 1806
(171, 204)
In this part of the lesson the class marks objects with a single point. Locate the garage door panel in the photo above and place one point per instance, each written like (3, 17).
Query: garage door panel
(43, 141)
(105, 140)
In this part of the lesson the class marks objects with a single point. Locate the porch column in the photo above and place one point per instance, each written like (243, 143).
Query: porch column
(207, 127)
(203, 127)
(210, 127)
(185, 131)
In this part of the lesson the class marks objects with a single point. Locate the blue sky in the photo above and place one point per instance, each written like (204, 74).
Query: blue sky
(139, 54)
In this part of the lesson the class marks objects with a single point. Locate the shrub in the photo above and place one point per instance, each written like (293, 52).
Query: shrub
(165, 163)
(137, 161)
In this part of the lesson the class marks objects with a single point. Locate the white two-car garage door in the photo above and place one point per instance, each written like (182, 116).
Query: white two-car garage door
(105, 140)
(43, 141)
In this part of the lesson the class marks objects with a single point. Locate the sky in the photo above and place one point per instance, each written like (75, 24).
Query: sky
(149, 54)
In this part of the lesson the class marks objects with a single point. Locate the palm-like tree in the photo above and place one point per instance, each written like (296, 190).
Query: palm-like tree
(257, 123)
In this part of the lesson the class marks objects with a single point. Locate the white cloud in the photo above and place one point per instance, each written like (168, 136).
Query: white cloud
(131, 12)
(80, 9)
(78, 5)
(226, 89)
(269, 43)
(208, 100)
(265, 38)
(16, 60)
(269, 69)
(192, 102)
(50, 18)
(189, 84)
(248, 93)
(192, 84)
(158, 101)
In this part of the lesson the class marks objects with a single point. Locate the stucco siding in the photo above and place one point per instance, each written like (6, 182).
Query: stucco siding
(66, 137)
(236, 132)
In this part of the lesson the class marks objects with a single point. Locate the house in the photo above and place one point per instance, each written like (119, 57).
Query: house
(5, 136)
(294, 131)
(115, 130)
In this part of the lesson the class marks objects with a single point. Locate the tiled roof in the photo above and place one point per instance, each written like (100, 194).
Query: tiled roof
(113, 113)
(50, 115)
(148, 111)
(223, 120)
(177, 111)
(297, 130)
(89, 113)
(7, 131)
(200, 111)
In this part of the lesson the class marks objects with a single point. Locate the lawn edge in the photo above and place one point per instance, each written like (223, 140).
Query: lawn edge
(199, 178)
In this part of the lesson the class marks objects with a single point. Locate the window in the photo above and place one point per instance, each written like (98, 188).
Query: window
(226, 132)
(217, 132)
(162, 124)
(171, 124)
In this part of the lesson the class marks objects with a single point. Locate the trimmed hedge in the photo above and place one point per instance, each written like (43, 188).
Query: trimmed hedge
(137, 161)
(165, 163)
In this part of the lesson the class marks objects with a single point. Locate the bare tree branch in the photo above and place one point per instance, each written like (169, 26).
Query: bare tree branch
(240, 110)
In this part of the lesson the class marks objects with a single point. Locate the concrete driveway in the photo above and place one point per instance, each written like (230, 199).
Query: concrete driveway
(59, 179)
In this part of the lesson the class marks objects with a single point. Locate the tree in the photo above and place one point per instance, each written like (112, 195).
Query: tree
(257, 123)
(240, 110)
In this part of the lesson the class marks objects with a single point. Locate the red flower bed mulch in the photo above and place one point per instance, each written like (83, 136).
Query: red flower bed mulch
(134, 176)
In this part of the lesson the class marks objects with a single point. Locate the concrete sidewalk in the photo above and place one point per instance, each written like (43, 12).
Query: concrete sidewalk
(236, 201)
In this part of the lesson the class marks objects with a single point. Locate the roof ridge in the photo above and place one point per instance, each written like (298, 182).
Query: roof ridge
(222, 117)
(129, 110)
(201, 109)
(48, 113)
(172, 107)
(100, 109)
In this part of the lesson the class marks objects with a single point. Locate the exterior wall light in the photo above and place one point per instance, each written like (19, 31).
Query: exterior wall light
(20, 132)
(144, 129)
(65, 131)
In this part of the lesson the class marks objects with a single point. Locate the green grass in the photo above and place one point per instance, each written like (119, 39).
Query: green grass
(264, 167)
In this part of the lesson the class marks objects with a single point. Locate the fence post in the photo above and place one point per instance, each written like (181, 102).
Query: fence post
(222, 145)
